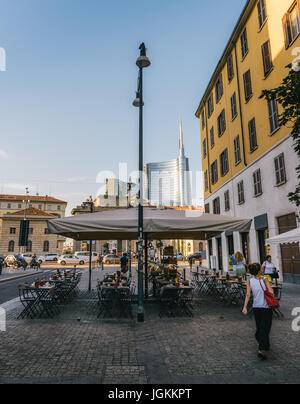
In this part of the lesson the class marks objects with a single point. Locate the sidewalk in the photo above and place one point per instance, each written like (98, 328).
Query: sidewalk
(12, 274)
(76, 347)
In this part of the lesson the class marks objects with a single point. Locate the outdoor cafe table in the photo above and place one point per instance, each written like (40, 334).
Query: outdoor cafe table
(176, 298)
(114, 300)
(37, 301)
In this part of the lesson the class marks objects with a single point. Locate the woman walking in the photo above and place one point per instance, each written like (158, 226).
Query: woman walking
(269, 268)
(262, 313)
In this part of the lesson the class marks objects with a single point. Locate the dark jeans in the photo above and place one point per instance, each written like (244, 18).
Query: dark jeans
(263, 319)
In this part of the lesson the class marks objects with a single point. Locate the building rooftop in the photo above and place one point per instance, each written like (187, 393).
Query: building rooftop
(31, 212)
(32, 198)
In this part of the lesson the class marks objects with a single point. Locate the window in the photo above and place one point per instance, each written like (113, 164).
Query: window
(280, 169)
(257, 183)
(46, 246)
(19, 206)
(212, 137)
(252, 135)
(12, 230)
(206, 208)
(219, 88)
(214, 172)
(244, 43)
(247, 85)
(46, 231)
(291, 25)
(40, 207)
(30, 205)
(29, 246)
(262, 15)
(267, 59)
(49, 207)
(237, 150)
(216, 206)
(9, 206)
(204, 148)
(230, 70)
(210, 105)
(241, 195)
(30, 231)
(221, 123)
(58, 207)
(273, 115)
(233, 106)
(206, 180)
(11, 246)
(226, 201)
(203, 120)
(224, 162)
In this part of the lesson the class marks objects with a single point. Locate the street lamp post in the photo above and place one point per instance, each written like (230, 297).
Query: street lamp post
(90, 203)
(129, 187)
(141, 62)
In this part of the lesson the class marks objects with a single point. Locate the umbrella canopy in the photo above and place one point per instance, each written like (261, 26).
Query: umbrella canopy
(164, 224)
(290, 237)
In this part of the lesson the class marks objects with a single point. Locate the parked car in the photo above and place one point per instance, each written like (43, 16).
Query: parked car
(15, 261)
(48, 258)
(86, 255)
(70, 259)
(111, 259)
(195, 257)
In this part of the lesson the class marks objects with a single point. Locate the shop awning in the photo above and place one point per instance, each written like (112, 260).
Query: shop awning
(290, 237)
(159, 223)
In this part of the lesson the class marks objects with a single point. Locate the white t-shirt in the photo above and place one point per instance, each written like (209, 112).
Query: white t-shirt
(258, 286)
(269, 267)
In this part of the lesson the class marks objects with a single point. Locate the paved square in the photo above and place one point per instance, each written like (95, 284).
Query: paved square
(202, 349)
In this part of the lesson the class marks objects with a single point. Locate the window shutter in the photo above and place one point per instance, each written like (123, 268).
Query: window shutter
(285, 30)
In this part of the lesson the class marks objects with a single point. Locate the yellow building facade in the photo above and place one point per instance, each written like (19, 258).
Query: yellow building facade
(238, 129)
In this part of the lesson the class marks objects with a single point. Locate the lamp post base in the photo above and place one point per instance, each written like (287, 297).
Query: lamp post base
(140, 317)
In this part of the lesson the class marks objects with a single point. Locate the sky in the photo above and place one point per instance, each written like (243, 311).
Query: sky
(66, 114)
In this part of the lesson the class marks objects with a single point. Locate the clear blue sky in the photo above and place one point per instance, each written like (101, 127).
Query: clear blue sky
(66, 97)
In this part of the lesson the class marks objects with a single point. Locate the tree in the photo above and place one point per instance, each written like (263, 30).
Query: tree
(288, 96)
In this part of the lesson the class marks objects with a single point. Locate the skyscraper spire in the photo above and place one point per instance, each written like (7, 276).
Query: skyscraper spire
(181, 147)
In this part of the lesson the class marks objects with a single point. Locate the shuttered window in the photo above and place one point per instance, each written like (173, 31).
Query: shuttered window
(280, 169)
(273, 115)
(221, 123)
(206, 180)
(226, 201)
(204, 148)
(233, 106)
(216, 206)
(203, 120)
(257, 183)
(214, 172)
(212, 137)
(219, 88)
(241, 194)
(252, 135)
(224, 162)
(262, 15)
(247, 85)
(237, 150)
(230, 70)
(210, 105)
(291, 24)
(206, 207)
(244, 43)
(267, 59)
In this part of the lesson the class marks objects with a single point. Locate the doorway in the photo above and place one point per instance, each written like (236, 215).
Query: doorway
(220, 253)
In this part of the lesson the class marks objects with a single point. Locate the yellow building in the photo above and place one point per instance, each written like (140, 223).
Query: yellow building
(247, 160)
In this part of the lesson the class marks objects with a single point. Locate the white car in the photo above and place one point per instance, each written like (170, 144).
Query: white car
(85, 255)
(48, 258)
(70, 259)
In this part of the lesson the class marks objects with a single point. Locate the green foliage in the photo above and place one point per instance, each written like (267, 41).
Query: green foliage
(288, 96)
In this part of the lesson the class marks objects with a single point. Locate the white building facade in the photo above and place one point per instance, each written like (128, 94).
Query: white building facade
(270, 209)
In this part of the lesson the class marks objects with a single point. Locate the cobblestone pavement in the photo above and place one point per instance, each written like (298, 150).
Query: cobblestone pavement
(202, 349)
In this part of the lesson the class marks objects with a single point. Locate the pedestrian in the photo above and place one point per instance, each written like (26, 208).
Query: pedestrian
(124, 263)
(240, 268)
(262, 312)
(191, 262)
(269, 268)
